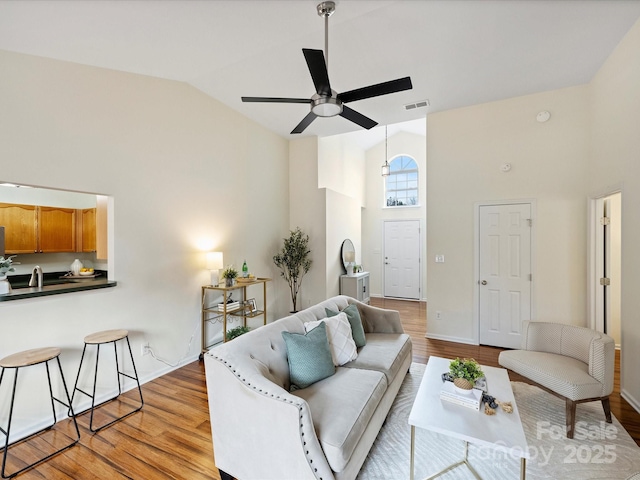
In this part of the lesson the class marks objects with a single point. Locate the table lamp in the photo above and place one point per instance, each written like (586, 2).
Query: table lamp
(350, 258)
(214, 264)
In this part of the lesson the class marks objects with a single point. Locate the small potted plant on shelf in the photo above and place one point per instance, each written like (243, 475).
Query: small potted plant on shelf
(229, 276)
(465, 372)
(236, 332)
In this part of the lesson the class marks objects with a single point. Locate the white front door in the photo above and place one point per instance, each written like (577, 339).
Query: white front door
(402, 259)
(505, 273)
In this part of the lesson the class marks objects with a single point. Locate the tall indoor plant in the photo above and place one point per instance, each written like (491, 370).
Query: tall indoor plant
(294, 262)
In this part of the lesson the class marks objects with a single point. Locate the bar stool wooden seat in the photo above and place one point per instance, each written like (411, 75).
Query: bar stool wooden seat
(102, 338)
(26, 359)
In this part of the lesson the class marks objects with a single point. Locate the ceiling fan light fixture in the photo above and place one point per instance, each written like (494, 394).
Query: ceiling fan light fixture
(326, 106)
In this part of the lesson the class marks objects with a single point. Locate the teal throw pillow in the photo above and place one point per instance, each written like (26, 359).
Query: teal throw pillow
(309, 357)
(357, 330)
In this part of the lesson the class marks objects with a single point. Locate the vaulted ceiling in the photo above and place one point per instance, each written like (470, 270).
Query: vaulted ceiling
(456, 52)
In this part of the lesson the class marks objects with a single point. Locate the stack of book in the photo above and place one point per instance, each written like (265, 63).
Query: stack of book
(470, 400)
(230, 306)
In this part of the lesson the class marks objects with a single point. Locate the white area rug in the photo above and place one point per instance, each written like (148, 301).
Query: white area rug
(599, 450)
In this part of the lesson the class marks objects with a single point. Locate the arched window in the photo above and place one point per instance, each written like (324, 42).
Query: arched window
(401, 186)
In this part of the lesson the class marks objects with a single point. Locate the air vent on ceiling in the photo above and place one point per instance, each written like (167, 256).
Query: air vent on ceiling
(420, 104)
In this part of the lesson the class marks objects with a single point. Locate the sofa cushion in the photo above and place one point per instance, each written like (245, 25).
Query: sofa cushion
(353, 315)
(342, 406)
(384, 352)
(309, 356)
(343, 348)
(564, 375)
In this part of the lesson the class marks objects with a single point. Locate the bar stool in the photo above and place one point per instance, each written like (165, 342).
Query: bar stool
(27, 359)
(101, 338)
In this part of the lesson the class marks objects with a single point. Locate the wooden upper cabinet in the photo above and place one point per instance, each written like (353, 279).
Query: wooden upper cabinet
(21, 228)
(38, 229)
(87, 230)
(56, 229)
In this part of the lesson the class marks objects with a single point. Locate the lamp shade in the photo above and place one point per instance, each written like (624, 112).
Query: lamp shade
(350, 256)
(214, 261)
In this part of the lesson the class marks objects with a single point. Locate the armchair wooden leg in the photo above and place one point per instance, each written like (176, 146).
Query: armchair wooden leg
(571, 417)
(607, 409)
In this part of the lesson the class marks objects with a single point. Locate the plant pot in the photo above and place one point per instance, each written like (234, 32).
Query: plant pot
(462, 385)
(5, 286)
(229, 282)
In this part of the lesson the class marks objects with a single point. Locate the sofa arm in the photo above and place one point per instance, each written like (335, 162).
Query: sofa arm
(602, 362)
(259, 429)
(378, 320)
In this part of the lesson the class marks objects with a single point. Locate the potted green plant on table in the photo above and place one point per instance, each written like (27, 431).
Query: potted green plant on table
(229, 275)
(294, 262)
(236, 332)
(465, 372)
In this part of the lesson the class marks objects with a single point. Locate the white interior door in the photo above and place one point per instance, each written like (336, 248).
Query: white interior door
(402, 259)
(505, 273)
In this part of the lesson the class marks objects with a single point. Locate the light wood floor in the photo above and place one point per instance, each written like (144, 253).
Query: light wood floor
(171, 437)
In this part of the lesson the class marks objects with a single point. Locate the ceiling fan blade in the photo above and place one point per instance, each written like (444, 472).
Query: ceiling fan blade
(384, 88)
(355, 117)
(275, 100)
(318, 70)
(306, 121)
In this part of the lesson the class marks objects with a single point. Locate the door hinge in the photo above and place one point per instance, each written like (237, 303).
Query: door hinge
(530, 222)
(605, 221)
(530, 277)
(605, 281)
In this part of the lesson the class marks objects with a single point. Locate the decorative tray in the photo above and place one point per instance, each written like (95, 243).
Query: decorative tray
(79, 277)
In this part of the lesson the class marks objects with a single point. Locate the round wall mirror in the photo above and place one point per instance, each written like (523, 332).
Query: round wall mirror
(348, 254)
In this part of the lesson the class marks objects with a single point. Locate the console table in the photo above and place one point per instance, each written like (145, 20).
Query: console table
(356, 286)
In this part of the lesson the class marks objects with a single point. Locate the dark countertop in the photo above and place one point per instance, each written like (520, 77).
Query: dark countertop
(53, 285)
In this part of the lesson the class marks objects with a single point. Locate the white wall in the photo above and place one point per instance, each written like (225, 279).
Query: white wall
(186, 174)
(341, 164)
(343, 221)
(376, 212)
(308, 207)
(615, 97)
(465, 149)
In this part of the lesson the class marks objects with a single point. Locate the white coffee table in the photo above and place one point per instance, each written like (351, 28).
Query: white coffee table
(501, 432)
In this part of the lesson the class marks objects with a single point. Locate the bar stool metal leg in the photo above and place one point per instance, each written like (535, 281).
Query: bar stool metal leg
(98, 339)
(24, 359)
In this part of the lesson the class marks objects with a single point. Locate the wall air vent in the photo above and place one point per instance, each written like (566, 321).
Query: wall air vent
(420, 104)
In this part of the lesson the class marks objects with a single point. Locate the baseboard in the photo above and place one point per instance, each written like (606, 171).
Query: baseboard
(448, 338)
(629, 398)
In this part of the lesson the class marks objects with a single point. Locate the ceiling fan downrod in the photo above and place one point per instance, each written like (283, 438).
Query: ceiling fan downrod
(326, 9)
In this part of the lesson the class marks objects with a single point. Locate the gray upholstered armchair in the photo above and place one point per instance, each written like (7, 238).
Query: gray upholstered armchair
(574, 363)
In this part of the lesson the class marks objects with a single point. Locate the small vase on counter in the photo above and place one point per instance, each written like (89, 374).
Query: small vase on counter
(76, 266)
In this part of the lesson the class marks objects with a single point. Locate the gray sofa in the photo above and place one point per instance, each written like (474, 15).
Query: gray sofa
(263, 431)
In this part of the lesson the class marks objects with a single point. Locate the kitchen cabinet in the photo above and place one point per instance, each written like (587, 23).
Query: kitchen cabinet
(87, 230)
(21, 228)
(356, 286)
(36, 229)
(56, 229)
(212, 313)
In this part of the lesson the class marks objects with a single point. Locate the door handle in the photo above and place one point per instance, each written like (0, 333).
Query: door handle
(483, 282)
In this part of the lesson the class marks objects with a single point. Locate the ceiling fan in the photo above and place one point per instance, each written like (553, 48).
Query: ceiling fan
(326, 102)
